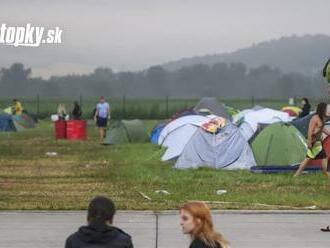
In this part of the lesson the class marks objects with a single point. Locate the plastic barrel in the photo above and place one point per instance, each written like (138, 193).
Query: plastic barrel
(76, 130)
(60, 129)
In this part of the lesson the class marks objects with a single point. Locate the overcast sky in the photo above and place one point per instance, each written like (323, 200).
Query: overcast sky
(132, 35)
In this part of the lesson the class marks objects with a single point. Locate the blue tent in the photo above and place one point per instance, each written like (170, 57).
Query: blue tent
(156, 132)
(6, 123)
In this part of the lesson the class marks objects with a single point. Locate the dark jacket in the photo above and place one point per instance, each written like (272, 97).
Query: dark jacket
(305, 110)
(76, 112)
(197, 243)
(103, 236)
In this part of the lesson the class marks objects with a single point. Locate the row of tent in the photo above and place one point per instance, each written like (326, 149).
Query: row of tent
(257, 136)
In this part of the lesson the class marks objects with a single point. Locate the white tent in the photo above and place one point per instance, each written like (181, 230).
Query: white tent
(176, 134)
(262, 116)
(240, 115)
(267, 116)
(196, 120)
(176, 141)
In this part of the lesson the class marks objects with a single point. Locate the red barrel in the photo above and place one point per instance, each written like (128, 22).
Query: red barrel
(76, 129)
(60, 129)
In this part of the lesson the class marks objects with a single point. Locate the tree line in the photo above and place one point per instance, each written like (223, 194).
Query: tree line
(223, 80)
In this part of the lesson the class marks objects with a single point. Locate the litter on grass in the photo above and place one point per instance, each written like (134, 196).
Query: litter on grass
(51, 154)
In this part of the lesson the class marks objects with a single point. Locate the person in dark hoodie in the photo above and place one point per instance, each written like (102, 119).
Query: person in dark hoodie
(99, 233)
(76, 112)
(306, 108)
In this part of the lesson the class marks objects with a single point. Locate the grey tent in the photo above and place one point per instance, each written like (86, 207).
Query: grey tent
(126, 131)
(302, 123)
(211, 105)
(227, 149)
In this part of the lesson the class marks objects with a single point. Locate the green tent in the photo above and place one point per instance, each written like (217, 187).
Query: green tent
(279, 144)
(125, 131)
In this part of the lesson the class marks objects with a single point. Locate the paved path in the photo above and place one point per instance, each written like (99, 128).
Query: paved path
(243, 229)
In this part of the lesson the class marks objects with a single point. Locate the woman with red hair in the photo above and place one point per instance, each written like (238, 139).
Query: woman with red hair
(195, 220)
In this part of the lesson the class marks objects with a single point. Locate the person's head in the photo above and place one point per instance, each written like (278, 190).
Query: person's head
(101, 210)
(321, 110)
(304, 101)
(15, 100)
(196, 220)
(60, 106)
(75, 103)
(102, 99)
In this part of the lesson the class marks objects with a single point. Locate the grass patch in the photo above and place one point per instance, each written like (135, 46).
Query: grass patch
(82, 169)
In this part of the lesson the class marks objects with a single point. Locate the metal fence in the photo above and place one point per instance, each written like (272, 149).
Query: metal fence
(131, 108)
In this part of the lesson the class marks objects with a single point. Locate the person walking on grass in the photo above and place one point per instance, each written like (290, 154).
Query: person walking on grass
(195, 220)
(100, 231)
(314, 140)
(101, 116)
(326, 75)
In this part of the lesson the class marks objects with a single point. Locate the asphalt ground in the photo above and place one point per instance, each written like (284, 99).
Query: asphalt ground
(246, 229)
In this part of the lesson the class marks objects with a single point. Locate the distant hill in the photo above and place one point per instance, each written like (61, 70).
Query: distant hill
(305, 54)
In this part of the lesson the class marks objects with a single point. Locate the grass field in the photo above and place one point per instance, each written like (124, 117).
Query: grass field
(29, 179)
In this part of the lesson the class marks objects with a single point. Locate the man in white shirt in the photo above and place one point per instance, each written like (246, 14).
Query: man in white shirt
(102, 115)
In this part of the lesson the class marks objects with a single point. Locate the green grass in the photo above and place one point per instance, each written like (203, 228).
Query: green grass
(83, 169)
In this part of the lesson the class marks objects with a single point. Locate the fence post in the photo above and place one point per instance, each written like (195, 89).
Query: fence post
(38, 106)
(157, 229)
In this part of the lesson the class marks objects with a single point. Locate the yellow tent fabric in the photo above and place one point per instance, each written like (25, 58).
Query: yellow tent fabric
(295, 109)
(8, 110)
